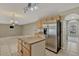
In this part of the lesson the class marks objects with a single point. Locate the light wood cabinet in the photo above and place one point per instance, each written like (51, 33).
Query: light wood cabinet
(32, 49)
(47, 19)
(26, 52)
(39, 24)
(19, 47)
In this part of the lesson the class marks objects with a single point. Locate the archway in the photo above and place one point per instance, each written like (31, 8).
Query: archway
(71, 34)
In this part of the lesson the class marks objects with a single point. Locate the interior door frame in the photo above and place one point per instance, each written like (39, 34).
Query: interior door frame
(65, 33)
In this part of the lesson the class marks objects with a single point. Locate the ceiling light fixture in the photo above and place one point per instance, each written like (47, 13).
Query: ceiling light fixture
(36, 7)
(30, 6)
(13, 21)
(31, 9)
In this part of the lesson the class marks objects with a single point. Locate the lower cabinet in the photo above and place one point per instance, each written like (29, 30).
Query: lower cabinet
(35, 49)
(19, 47)
(26, 52)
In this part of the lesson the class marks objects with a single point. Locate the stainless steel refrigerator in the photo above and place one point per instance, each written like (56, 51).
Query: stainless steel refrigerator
(53, 36)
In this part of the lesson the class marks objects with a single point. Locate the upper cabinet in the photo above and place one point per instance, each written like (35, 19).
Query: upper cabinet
(47, 19)
(39, 24)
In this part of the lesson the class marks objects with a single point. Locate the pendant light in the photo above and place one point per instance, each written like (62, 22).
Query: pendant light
(30, 7)
(13, 21)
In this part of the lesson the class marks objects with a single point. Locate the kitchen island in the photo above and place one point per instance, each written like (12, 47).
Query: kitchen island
(31, 46)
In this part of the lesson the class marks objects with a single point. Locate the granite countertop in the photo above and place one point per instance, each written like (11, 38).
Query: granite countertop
(31, 40)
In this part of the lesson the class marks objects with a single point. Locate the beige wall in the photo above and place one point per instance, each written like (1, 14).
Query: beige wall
(29, 28)
(5, 31)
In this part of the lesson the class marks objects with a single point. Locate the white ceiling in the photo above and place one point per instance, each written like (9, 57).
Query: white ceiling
(7, 9)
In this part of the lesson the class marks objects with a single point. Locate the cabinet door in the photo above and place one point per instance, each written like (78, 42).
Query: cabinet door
(26, 52)
(39, 24)
(38, 49)
(19, 49)
(26, 45)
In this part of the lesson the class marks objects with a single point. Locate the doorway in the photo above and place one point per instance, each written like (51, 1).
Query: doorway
(71, 35)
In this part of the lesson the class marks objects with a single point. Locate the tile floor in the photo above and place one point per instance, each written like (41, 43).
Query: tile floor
(8, 48)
